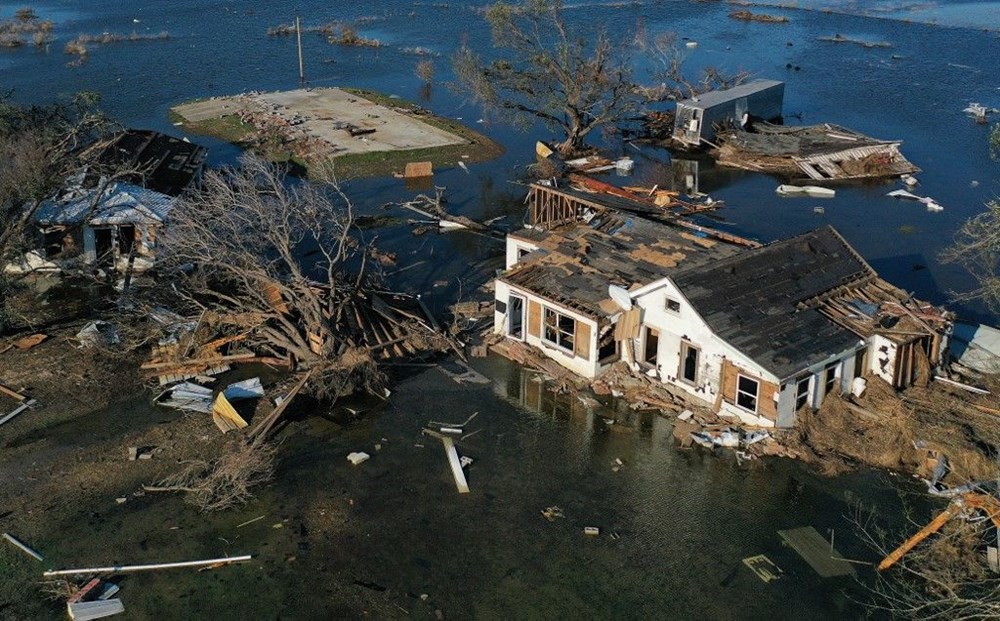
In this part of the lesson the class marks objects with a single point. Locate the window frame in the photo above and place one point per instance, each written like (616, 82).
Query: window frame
(802, 396)
(755, 396)
(830, 382)
(671, 301)
(686, 347)
(560, 334)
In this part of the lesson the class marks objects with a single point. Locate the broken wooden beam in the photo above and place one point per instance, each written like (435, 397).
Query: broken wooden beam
(12, 393)
(259, 433)
(456, 465)
(149, 366)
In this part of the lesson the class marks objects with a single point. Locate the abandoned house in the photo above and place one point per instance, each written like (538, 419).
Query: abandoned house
(815, 152)
(697, 119)
(107, 229)
(757, 333)
(115, 227)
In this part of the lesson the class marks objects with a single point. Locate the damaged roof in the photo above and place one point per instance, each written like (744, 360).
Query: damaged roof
(715, 98)
(575, 262)
(751, 299)
(168, 165)
(801, 141)
(121, 203)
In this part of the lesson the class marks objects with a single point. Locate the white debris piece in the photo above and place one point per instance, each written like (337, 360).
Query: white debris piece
(358, 457)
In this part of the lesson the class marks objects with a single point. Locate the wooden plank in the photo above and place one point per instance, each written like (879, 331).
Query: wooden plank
(816, 551)
(581, 340)
(534, 318)
(225, 416)
(456, 465)
(11, 393)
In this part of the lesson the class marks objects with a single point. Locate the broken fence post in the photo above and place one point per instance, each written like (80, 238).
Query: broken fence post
(122, 569)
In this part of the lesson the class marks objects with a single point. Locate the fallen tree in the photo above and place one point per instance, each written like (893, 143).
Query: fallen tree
(282, 263)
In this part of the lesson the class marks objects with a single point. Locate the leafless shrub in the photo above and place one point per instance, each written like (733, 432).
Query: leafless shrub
(76, 48)
(943, 578)
(425, 71)
(226, 481)
(10, 40)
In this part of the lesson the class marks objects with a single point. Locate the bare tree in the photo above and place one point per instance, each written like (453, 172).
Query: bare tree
(572, 81)
(976, 246)
(943, 578)
(40, 146)
(278, 259)
(665, 51)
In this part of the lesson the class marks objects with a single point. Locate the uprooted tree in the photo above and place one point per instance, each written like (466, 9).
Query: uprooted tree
(39, 147)
(277, 260)
(572, 81)
(946, 575)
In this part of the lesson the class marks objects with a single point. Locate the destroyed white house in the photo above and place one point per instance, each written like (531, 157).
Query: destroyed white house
(115, 224)
(755, 332)
(697, 119)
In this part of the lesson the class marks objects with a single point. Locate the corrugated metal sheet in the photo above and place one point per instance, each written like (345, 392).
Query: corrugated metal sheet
(121, 203)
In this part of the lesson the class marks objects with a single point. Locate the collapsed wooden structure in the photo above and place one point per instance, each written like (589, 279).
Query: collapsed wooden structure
(818, 152)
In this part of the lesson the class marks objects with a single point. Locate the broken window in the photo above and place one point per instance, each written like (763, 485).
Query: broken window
(831, 378)
(673, 305)
(559, 329)
(126, 239)
(515, 320)
(652, 347)
(802, 392)
(746, 393)
(607, 346)
(689, 362)
(522, 252)
(54, 240)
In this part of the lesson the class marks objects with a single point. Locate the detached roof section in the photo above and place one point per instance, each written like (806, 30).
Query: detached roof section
(715, 98)
(577, 261)
(168, 165)
(121, 203)
(751, 300)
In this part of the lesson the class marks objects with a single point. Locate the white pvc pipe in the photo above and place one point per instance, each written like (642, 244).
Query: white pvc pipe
(120, 569)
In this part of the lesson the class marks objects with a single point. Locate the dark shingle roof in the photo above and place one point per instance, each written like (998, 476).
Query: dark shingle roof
(750, 299)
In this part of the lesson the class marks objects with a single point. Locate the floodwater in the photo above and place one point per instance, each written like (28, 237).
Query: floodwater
(684, 519)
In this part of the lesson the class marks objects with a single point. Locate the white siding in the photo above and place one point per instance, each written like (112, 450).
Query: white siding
(882, 357)
(581, 366)
(686, 325)
(513, 247)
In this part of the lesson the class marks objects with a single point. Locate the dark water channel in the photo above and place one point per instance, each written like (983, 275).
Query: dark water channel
(684, 519)
(337, 539)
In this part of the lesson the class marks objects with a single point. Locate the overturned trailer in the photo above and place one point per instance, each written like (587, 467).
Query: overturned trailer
(696, 119)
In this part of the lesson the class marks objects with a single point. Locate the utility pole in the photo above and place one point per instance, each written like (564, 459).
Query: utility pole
(302, 71)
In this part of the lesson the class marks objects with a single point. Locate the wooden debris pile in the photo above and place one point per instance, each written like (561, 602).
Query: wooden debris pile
(817, 152)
